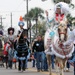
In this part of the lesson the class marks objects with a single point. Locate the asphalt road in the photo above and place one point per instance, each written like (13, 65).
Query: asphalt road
(29, 71)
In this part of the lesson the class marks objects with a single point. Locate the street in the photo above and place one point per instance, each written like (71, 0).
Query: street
(29, 71)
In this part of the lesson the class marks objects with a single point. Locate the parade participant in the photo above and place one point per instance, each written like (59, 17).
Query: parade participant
(22, 51)
(11, 38)
(21, 25)
(61, 10)
(59, 16)
(11, 33)
(23, 44)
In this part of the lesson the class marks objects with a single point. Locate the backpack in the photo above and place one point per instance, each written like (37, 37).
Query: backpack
(5, 52)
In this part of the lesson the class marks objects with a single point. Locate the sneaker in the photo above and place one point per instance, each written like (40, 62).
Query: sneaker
(23, 69)
(6, 67)
(19, 69)
(38, 70)
(42, 70)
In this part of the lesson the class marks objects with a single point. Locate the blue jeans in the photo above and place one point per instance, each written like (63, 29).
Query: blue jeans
(33, 65)
(45, 64)
(52, 60)
(67, 65)
(40, 56)
(26, 63)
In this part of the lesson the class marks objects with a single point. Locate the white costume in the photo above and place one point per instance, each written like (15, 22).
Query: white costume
(59, 17)
(72, 38)
(64, 7)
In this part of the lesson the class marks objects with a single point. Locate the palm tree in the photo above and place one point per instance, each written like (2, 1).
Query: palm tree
(71, 20)
(41, 28)
(34, 14)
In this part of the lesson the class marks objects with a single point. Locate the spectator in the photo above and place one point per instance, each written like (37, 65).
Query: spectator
(40, 55)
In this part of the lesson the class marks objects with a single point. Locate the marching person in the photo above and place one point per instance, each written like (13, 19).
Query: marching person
(23, 44)
(40, 55)
(22, 52)
(10, 50)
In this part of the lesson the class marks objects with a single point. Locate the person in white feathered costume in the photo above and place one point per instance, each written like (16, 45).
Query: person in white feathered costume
(61, 10)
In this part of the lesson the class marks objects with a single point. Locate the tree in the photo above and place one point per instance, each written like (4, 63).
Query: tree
(41, 28)
(34, 14)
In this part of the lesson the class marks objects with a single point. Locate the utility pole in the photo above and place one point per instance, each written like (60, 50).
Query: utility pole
(30, 29)
(27, 12)
(11, 18)
(27, 15)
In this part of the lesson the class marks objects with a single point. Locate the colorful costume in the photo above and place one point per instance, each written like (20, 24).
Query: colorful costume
(59, 16)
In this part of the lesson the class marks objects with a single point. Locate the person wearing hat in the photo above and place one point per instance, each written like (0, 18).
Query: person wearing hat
(60, 14)
(21, 25)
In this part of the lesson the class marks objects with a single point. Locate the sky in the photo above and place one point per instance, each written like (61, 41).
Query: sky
(18, 8)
